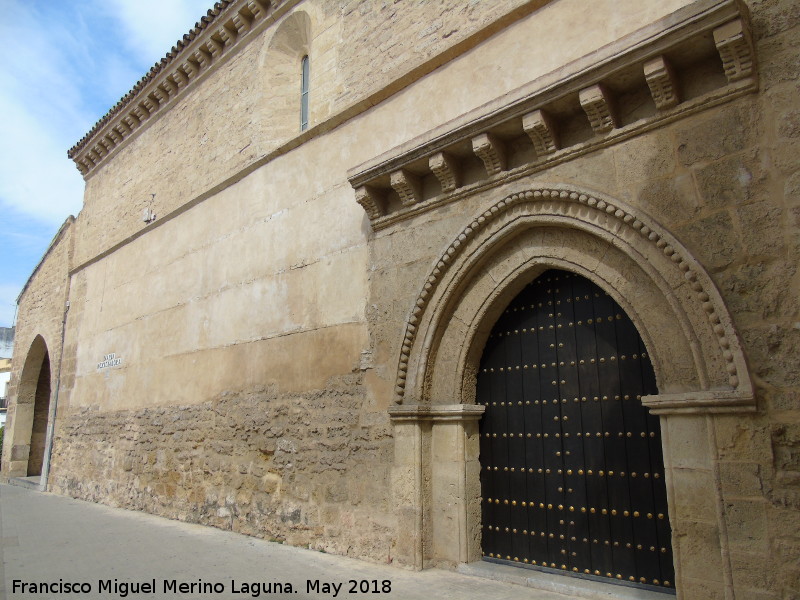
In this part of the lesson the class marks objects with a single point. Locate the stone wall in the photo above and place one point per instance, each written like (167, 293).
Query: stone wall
(310, 469)
(260, 320)
(725, 183)
(239, 113)
(40, 315)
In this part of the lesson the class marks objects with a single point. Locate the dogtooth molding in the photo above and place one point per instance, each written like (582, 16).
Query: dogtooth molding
(615, 224)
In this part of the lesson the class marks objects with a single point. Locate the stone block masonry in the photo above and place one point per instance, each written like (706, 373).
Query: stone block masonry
(299, 468)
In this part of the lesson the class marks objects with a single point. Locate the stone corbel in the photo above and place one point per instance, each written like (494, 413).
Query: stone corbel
(541, 129)
(258, 7)
(189, 69)
(704, 402)
(140, 112)
(201, 59)
(734, 47)
(227, 36)
(407, 185)
(83, 166)
(180, 78)
(150, 104)
(160, 95)
(370, 200)
(214, 48)
(241, 23)
(131, 121)
(169, 87)
(662, 83)
(491, 151)
(446, 170)
(596, 103)
(115, 135)
(122, 128)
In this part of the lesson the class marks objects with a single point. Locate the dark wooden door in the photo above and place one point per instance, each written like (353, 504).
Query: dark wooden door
(572, 474)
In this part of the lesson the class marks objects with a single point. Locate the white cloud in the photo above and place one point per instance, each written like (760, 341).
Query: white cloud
(151, 27)
(38, 179)
(42, 110)
(72, 64)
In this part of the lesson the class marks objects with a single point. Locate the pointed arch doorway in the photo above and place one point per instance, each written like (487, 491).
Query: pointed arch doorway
(29, 423)
(572, 472)
(691, 340)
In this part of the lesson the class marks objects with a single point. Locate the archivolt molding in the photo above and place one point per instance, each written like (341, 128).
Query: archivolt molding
(664, 260)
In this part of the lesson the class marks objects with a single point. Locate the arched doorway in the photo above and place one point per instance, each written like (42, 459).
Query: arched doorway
(691, 340)
(29, 416)
(572, 472)
(41, 412)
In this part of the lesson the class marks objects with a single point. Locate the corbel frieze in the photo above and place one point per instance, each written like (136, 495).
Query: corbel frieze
(224, 28)
(538, 109)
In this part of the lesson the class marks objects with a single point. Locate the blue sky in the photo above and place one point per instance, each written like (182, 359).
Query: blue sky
(68, 62)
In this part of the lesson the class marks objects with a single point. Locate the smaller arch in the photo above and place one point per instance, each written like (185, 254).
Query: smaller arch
(31, 412)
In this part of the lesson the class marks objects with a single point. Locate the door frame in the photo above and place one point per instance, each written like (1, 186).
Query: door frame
(701, 371)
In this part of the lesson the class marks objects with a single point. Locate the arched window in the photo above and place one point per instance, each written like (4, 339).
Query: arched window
(304, 94)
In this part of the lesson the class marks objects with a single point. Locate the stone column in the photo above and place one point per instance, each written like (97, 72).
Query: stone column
(19, 423)
(436, 484)
(697, 504)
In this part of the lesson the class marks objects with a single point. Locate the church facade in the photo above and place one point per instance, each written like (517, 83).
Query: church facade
(431, 283)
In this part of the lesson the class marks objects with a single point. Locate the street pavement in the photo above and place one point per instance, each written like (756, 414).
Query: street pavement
(76, 548)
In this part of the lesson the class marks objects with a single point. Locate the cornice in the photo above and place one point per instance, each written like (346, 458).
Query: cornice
(390, 186)
(225, 27)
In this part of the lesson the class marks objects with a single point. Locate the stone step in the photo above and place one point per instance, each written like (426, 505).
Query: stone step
(573, 587)
(32, 483)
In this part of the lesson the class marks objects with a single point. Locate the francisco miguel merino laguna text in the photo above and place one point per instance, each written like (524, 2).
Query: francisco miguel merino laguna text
(253, 589)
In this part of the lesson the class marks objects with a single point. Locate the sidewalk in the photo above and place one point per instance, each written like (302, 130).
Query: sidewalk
(48, 538)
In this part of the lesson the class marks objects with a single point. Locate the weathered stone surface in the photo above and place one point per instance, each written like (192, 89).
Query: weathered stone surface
(761, 290)
(771, 17)
(741, 479)
(279, 467)
(738, 179)
(727, 131)
(713, 239)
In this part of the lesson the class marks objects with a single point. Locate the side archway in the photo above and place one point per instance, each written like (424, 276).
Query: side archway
(689, 334)
(31, 413)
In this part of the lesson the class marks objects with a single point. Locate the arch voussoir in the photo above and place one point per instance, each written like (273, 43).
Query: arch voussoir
(673, 302)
